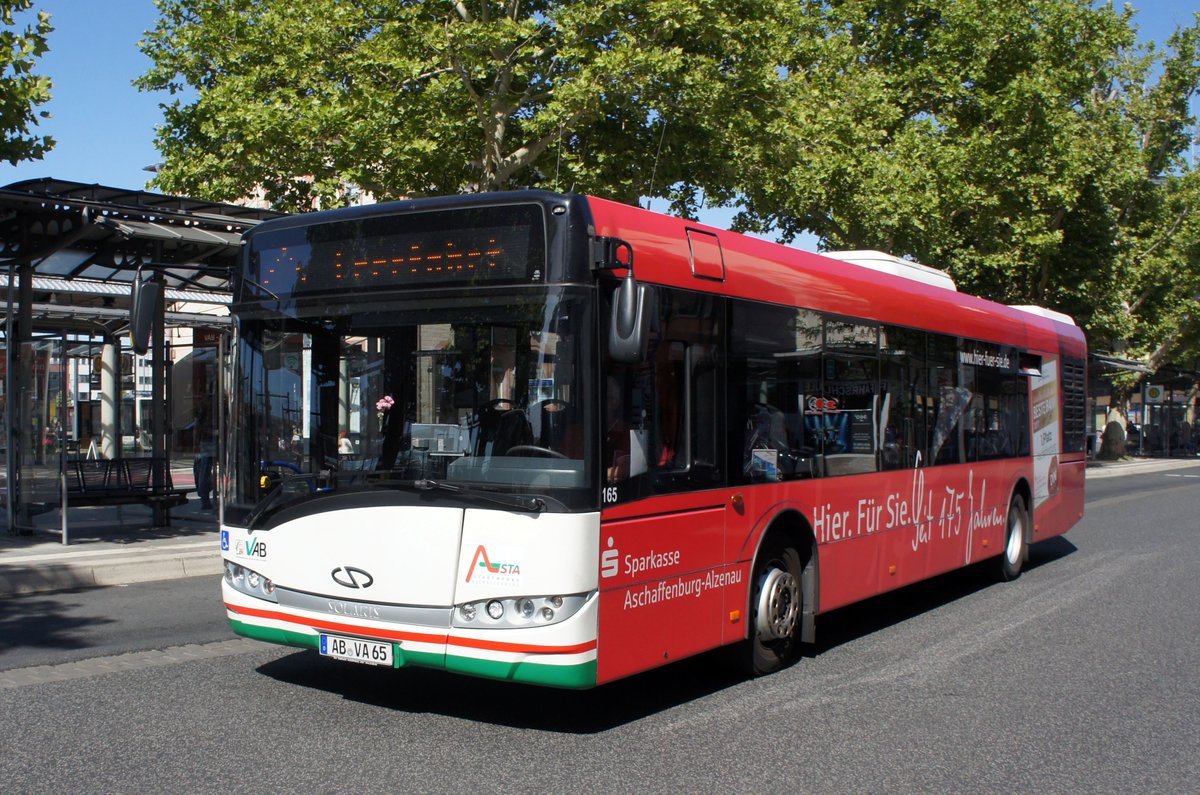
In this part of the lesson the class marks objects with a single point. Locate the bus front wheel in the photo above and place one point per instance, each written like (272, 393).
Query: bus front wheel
(1015, 550)
(775, 608)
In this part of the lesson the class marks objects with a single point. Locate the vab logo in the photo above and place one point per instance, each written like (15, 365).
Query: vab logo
(350, 577)
(251, 548)
(481, 561)
(609, 561)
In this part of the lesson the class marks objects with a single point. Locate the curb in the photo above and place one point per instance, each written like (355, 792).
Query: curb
(61, 571)
(1138, 467)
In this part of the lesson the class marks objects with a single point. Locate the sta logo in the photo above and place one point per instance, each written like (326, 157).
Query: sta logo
(481, 561)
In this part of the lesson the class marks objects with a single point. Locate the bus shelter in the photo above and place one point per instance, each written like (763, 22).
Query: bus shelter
(1162, 414)
(86, 420)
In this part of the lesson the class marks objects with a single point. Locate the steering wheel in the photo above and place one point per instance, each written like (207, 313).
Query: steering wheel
(532, 449)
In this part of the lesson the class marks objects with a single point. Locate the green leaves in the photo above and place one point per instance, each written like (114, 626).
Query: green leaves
(407, 98)
(21, 91)
(1031, 148)
(1021, 146)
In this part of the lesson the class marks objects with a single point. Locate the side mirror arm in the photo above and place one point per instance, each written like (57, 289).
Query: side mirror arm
(632, 306)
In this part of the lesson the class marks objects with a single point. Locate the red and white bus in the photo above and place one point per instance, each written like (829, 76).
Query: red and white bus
(554, 439)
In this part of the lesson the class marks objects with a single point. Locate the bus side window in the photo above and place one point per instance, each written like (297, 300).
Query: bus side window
(774, 373)
(687, 449)
(663, 416)
(949, 402)
(902, 356)
(852, 401)
(997, 416)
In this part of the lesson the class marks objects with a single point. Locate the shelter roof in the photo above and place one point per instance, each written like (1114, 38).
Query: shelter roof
(78, 231)
(1109, 362)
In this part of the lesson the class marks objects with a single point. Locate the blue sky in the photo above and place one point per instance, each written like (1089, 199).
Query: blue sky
(104, 127)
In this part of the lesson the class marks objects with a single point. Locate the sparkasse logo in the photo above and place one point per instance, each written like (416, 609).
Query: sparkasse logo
(610, 561)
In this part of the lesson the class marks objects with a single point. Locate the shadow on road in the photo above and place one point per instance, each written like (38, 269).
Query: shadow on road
(41, 622)
(424, 691)
(1049, 551)
(864, 618)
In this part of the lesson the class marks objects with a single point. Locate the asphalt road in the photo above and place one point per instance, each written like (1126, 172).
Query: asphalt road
(1081, 676)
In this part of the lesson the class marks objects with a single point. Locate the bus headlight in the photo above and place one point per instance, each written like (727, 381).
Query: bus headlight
(518, 611)
(525, 608)
(249, 582)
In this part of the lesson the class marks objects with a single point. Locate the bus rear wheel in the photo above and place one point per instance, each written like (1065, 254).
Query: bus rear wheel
(776, 606)
(1015, 551)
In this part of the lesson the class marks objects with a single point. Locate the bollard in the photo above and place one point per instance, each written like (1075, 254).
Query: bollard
(62, 482)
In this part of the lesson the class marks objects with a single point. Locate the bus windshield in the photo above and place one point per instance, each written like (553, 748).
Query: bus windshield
(483, 391)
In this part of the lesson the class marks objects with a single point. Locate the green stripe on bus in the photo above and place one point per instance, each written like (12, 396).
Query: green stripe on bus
(569, 676)
(305, 640)
(272, 635)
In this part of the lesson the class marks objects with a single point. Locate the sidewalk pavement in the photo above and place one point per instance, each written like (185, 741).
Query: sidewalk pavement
(1140, 466)
(110, 546)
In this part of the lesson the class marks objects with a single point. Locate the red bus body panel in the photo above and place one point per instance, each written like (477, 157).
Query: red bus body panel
(874, 532)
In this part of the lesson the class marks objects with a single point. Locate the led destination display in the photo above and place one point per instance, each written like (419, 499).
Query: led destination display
(493, 245)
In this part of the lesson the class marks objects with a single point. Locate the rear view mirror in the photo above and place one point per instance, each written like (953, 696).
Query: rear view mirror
(143, 304)
(629, 325)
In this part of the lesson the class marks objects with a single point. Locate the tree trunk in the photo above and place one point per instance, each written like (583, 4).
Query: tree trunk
(1112, 443)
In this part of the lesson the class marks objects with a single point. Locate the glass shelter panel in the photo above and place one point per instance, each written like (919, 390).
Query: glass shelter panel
(37, 442)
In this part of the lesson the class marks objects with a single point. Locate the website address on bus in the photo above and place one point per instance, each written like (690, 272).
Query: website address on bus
(664, 591)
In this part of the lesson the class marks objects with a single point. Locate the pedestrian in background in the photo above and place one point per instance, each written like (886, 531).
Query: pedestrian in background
(203, 463)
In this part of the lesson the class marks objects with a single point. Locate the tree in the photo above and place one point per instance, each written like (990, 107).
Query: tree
(21, 91)
(1021, 146)
(623, 98)
(1158, 314)
(1031, 148)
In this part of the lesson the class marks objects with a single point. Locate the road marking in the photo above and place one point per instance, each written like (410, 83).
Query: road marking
(131, 661)
(1183, 476)
(1137, 495)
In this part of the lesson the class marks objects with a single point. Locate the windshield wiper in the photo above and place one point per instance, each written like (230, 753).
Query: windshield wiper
(533, 504)
(380, 478)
